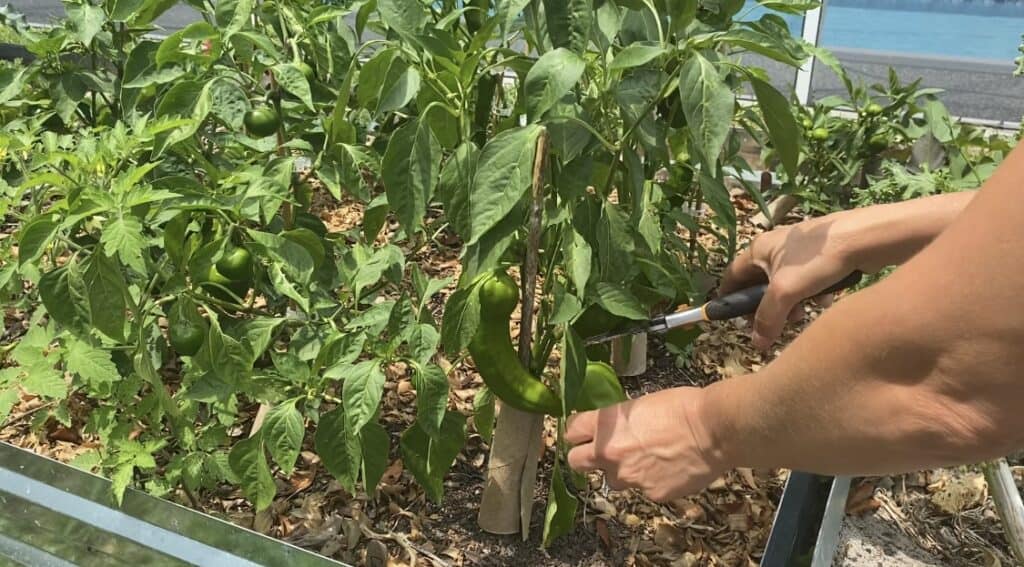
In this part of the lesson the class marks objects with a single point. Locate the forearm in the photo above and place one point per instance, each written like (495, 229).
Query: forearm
(917, 371)
(879, 236)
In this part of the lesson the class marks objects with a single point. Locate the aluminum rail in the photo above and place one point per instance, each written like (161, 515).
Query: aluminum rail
(52, 514)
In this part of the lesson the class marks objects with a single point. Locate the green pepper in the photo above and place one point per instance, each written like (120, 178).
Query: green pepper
(601, 388)
(495, 357)
(186, 338)
(261, 121)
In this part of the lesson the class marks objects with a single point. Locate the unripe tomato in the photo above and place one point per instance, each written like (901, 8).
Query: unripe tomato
(820, 134)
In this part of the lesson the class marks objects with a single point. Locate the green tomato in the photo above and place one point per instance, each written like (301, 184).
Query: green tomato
(820, 134)
(808, 123)
(873, 109)
(262, 121)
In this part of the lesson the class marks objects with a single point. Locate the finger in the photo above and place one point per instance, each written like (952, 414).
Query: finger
(796, 314)
(825, 300)
(779, 299)
(583, 458)
(615, 483)
(743, 271)
(581, 427)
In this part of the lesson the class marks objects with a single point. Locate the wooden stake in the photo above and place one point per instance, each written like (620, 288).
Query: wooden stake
(507, 502)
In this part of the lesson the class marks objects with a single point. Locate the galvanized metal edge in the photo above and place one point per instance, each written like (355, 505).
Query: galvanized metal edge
(798, 520)
(78, 509)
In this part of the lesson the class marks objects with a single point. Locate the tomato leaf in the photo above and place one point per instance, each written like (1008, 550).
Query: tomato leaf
(92, 365)
(107, 294)
(34, 237)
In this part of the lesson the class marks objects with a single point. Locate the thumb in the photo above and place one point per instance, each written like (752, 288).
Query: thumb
(779, 300)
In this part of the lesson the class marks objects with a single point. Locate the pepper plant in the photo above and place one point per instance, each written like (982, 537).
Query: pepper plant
(177, 287)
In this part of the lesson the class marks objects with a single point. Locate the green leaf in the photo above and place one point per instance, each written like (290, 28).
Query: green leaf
(283, 431)
(386, 82)
(407, 17)
(294, 259)
(44, 380)
(708, 104)
(483, 413)
(454, 186)
(561, 512)
(248, 462)
(338, 448)
(8, 398)
(239, 11)
(93, 365)
(550, 79)
(429, 459)
(87, 21)
(291, 79)
(285, 287)
(123, 10)
(636, 54)
(573, 367)
(783, 130)
(62, 291)
(123, 236)
(460, 320)
(410, 169)
(107, 294)
(422, 339)
(618, 301)
(578, 259)
(376, 445)
(361, 392)
(229, 103)
(34, 237)
(717, 197)
(431, 398)
(503, 175)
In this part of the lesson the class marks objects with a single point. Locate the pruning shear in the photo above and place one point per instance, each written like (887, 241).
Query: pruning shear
(737, 304)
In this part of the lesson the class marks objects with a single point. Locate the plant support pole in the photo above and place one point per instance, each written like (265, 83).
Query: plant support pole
(507, 502)
(1008, 504)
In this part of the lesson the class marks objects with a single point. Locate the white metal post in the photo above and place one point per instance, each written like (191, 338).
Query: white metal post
(811, 34)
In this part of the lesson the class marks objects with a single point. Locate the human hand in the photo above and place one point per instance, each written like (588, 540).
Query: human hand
(658, 443)
(798, 261)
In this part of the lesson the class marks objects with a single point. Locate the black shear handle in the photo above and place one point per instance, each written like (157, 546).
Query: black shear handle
(745, 301)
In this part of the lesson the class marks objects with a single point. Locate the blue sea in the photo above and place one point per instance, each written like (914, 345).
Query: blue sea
(976, 29)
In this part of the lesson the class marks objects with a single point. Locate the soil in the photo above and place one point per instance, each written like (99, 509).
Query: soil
(922, 519)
